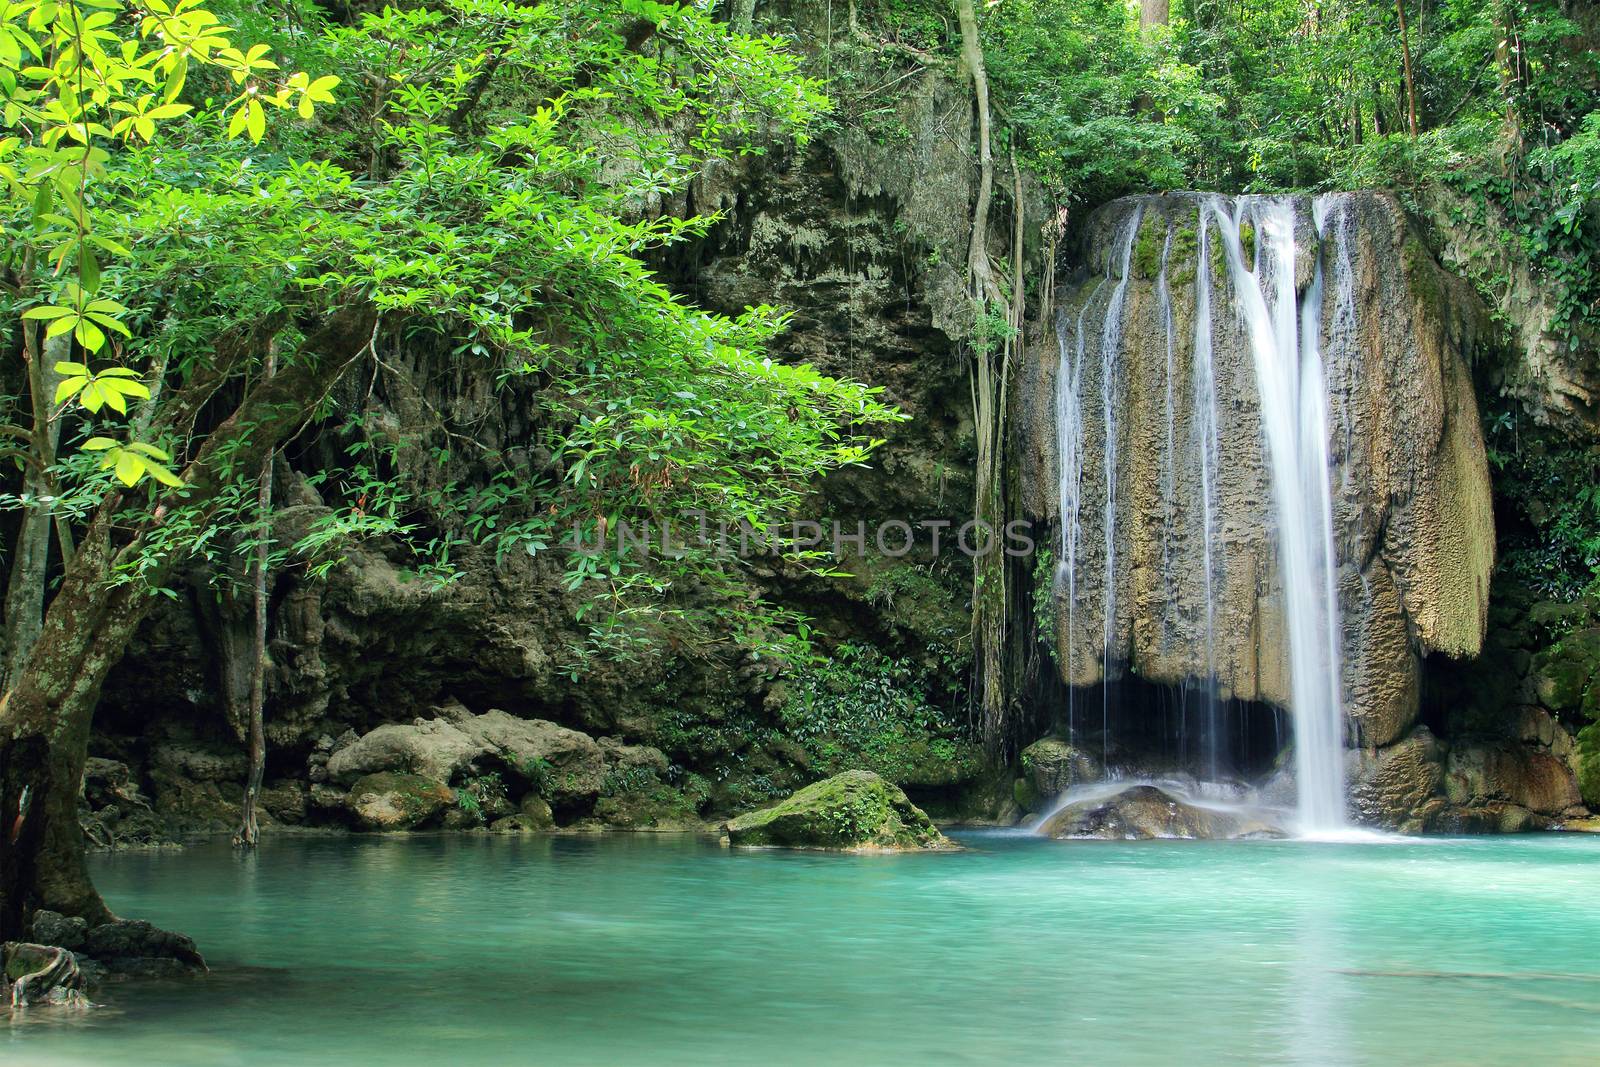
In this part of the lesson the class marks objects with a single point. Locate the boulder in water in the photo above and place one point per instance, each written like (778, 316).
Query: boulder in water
(854, 811)
(1141, 812)
(1050, 767)
(391, 801)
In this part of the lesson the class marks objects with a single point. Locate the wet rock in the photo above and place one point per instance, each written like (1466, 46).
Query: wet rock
(517, 824)
(1051, 767)
(1143, 812)
(133, 946)
(536, 810)
(40, 974)
(856, 810)
(1511, 772)
(391, 801)
(1398, 786)
(53, 928)
(1493, 817)
(658, 808)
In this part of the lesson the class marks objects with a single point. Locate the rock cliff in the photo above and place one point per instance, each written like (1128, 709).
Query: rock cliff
(1151, 391)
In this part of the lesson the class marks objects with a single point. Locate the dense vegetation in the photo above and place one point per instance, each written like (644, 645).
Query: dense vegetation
(215, 213)
(202, 239)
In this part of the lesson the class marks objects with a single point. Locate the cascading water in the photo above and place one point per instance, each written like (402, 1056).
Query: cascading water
(1257, 438)
(1206, 449)
(1282, 335)
(1110, 370)
(1285, 341)
(1072, 448)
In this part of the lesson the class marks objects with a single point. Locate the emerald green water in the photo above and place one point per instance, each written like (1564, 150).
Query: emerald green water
(670, 950)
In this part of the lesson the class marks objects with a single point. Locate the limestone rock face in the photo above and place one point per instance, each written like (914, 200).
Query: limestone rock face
(1169, 478)
(1143, 812)
(856, 810)
(1399, 786)
(569, 763)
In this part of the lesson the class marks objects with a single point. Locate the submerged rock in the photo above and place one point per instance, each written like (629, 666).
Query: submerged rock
(856, 810)
(135, 947)
(1144, 811)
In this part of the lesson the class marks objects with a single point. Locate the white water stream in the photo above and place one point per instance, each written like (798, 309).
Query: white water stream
(1284, 336)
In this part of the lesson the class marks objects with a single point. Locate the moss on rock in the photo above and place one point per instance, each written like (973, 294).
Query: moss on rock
(1147, 249)
(856, 810)
(391, 801)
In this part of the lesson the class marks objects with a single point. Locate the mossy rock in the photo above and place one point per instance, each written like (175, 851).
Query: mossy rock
(1564, 674)
(661, 808)
(1589, 765)
(392, 801)
(518, 824)
(1026, 795)
(856, 811)
(1184, 257)
(1148, 247)
(1052, 766)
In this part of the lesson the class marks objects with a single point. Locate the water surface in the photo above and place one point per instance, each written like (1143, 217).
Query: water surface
(664, 949)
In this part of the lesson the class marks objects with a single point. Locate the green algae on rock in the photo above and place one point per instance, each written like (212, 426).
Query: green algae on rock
(854, 811)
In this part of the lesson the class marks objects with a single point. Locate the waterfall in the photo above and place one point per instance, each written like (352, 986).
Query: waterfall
(1110, 368)
(1206, 448)
(1070, 449)
(1285, 343)
(1271, 499)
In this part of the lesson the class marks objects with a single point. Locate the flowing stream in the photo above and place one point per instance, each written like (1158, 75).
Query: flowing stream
(649, 949)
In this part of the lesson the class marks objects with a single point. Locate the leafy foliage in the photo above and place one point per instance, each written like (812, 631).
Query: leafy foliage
(492, 192)
(859, 709)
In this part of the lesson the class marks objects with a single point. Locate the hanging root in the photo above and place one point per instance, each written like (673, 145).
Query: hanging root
(43, 974)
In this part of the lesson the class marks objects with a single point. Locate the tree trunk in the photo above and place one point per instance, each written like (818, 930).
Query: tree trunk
(248, 829)
(991, 366)
(46, 712)
(1405, 52)
(983, 284)
(30, 559)
(1153, 13)
(44, 736)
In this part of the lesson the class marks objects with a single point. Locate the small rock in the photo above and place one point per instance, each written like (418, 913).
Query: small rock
(537, 809)
(1052, 766)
